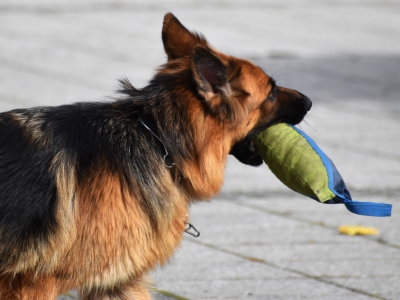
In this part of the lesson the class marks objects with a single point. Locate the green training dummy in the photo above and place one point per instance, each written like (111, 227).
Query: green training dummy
(299, 163)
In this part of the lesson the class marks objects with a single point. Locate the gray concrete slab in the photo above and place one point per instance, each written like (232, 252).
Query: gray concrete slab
(259, 240)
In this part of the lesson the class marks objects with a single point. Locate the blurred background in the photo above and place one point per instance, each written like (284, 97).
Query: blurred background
(258, 240)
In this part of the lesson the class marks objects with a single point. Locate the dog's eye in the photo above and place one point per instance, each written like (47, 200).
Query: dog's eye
(271, 95)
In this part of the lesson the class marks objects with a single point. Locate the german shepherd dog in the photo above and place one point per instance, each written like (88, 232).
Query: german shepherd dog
(95, 195)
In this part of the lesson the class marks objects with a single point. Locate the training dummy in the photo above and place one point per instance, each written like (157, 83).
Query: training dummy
(297, 161)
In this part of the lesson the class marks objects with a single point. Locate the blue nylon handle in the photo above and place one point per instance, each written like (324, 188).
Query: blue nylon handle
(368, 208)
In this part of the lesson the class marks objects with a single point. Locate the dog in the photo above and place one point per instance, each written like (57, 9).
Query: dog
(95, 195)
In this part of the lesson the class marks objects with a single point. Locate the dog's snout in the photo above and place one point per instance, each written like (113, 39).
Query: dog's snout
(293, 105)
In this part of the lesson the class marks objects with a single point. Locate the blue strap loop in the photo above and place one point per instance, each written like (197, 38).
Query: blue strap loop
(368, 208)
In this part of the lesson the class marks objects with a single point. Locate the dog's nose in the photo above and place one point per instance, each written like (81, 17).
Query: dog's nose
(307, 102)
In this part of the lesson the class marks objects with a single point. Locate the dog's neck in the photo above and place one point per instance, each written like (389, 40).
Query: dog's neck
(167, 158)
(168, 162)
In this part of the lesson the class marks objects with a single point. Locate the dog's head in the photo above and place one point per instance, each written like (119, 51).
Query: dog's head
(234, 93)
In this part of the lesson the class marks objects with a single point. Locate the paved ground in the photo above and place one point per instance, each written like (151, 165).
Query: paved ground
(258, 239)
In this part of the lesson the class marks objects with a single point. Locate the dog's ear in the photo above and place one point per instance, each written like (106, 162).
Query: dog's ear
(210, 73)
(178, 41)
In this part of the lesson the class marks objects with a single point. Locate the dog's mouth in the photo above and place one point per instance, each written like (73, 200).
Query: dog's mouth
(245, 151)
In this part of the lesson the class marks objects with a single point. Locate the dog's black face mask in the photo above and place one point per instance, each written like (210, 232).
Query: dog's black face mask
(293, 106)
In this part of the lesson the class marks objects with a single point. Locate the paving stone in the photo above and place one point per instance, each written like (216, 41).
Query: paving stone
(258, 240)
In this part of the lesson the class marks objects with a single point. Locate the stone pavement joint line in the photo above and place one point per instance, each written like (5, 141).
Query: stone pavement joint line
(319, 224)
(264, 262)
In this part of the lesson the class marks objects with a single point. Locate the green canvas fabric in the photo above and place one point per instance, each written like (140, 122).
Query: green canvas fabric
(294, 162)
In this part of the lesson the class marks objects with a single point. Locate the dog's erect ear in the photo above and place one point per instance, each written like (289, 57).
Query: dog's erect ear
(178, 41)
(209, 72)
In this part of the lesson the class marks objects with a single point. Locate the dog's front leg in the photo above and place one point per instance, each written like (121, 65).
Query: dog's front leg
(23, 287)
